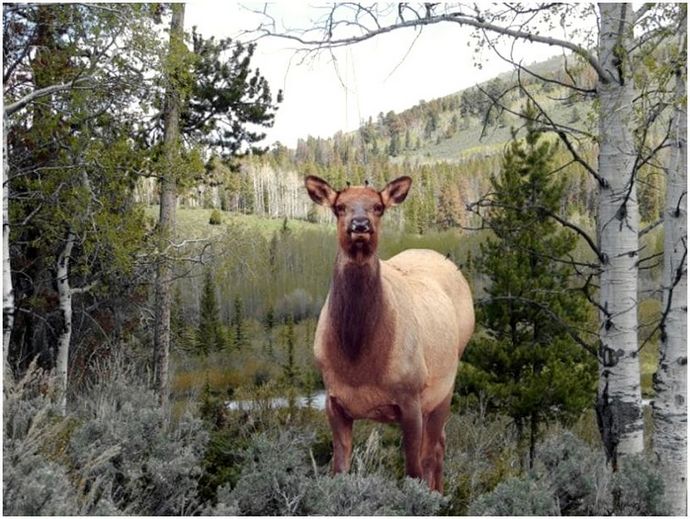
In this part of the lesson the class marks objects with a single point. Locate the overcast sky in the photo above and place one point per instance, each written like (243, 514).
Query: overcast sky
(389, 72)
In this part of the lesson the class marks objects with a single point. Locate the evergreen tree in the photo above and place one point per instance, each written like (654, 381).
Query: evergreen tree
(239, 332)
(290, 368)
(269, 323)
(177, 324)
(527, 363)
(449, 210)
(209, 334)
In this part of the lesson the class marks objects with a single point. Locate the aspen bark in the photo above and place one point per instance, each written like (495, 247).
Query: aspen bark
(166, 223)
(65, 335)
(619, 399)
(7, 288)
(671, 379)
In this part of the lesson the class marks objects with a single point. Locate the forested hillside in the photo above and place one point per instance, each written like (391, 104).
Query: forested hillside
(164, 267)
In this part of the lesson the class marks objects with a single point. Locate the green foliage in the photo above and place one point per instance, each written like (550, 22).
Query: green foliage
(209, 335)
(239, 334)
(290, 370)
(228, 100)
(526, 362)
(216, 217)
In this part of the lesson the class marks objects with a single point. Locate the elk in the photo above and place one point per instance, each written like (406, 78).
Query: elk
(391, 333)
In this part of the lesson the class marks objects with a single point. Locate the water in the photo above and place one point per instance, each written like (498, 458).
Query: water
(316, 401)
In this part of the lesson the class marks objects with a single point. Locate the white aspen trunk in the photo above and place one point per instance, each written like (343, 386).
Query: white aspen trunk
(619, 400)
(7, 288)
(671, 379)
(65, 336)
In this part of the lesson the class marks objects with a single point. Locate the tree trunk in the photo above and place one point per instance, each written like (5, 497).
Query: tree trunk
(166, 223)
(7, 289)
(619, 400)
(65, 305)
(670, 382)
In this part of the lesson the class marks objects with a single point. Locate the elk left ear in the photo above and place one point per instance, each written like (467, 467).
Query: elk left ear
(395, 191)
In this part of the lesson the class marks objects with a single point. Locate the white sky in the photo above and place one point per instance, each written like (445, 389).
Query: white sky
(380, 74)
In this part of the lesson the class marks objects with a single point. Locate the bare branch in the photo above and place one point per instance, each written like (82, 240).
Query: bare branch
(460, 18)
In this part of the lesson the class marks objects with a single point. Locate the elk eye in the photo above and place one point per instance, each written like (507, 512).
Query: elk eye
(378, 208)
(340, 208)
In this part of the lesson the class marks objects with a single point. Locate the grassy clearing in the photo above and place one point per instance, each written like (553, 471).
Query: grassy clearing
(193, 224)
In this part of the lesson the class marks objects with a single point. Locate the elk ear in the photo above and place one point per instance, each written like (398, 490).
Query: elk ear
(395, 191)
(319, 191)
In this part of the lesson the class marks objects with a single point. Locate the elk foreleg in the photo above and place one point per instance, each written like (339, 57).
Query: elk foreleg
(434, 445)
(411, 423)
(341, 429)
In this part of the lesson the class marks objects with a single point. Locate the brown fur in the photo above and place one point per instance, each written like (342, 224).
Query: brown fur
(356, 307)
(390, 334)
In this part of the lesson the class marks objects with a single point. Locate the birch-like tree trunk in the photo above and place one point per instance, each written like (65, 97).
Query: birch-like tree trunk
(65, 306)
(619, 400)
(671, 379)
(7, 289)
(168, 202)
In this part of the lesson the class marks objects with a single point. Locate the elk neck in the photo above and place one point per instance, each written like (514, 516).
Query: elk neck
(356, 304)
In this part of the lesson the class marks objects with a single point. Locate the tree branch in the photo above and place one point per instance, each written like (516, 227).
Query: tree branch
(42, 92)
(457, 17)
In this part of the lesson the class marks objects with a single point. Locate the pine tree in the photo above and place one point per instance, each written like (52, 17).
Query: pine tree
(269, 323)
(289, 368)
(527, 363)
(209, 335)
(239, 333)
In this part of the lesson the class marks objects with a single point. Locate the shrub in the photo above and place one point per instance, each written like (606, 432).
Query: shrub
(516, 496)
(34, 486)
(216, 217)
(117, 454)
(638, 488)
(274, 479)
(354, 494)
(480, 453)
(33, 483)
(226, 505)
(298, 304)
(125, 450)
(577, 474)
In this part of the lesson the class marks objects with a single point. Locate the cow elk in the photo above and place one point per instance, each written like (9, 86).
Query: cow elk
(391, 333)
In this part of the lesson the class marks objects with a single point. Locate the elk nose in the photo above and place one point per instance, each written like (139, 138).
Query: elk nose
(359, 225)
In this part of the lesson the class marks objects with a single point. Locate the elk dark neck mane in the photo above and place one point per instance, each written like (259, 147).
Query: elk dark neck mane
(356, 304)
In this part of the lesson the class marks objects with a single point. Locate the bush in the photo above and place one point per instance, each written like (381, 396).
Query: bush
(638, 488)
(354, 494)
(298, 304)
(33, 483)
(216, 217)
(517, 496)
(274, 479)
(480, 453)
(34, 486)
(127, 450)
(577, 474)
(117, 454)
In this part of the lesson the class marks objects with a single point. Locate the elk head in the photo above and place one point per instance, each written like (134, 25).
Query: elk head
(358, 210)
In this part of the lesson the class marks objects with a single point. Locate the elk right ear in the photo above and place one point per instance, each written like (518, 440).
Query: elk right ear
(319, 191)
